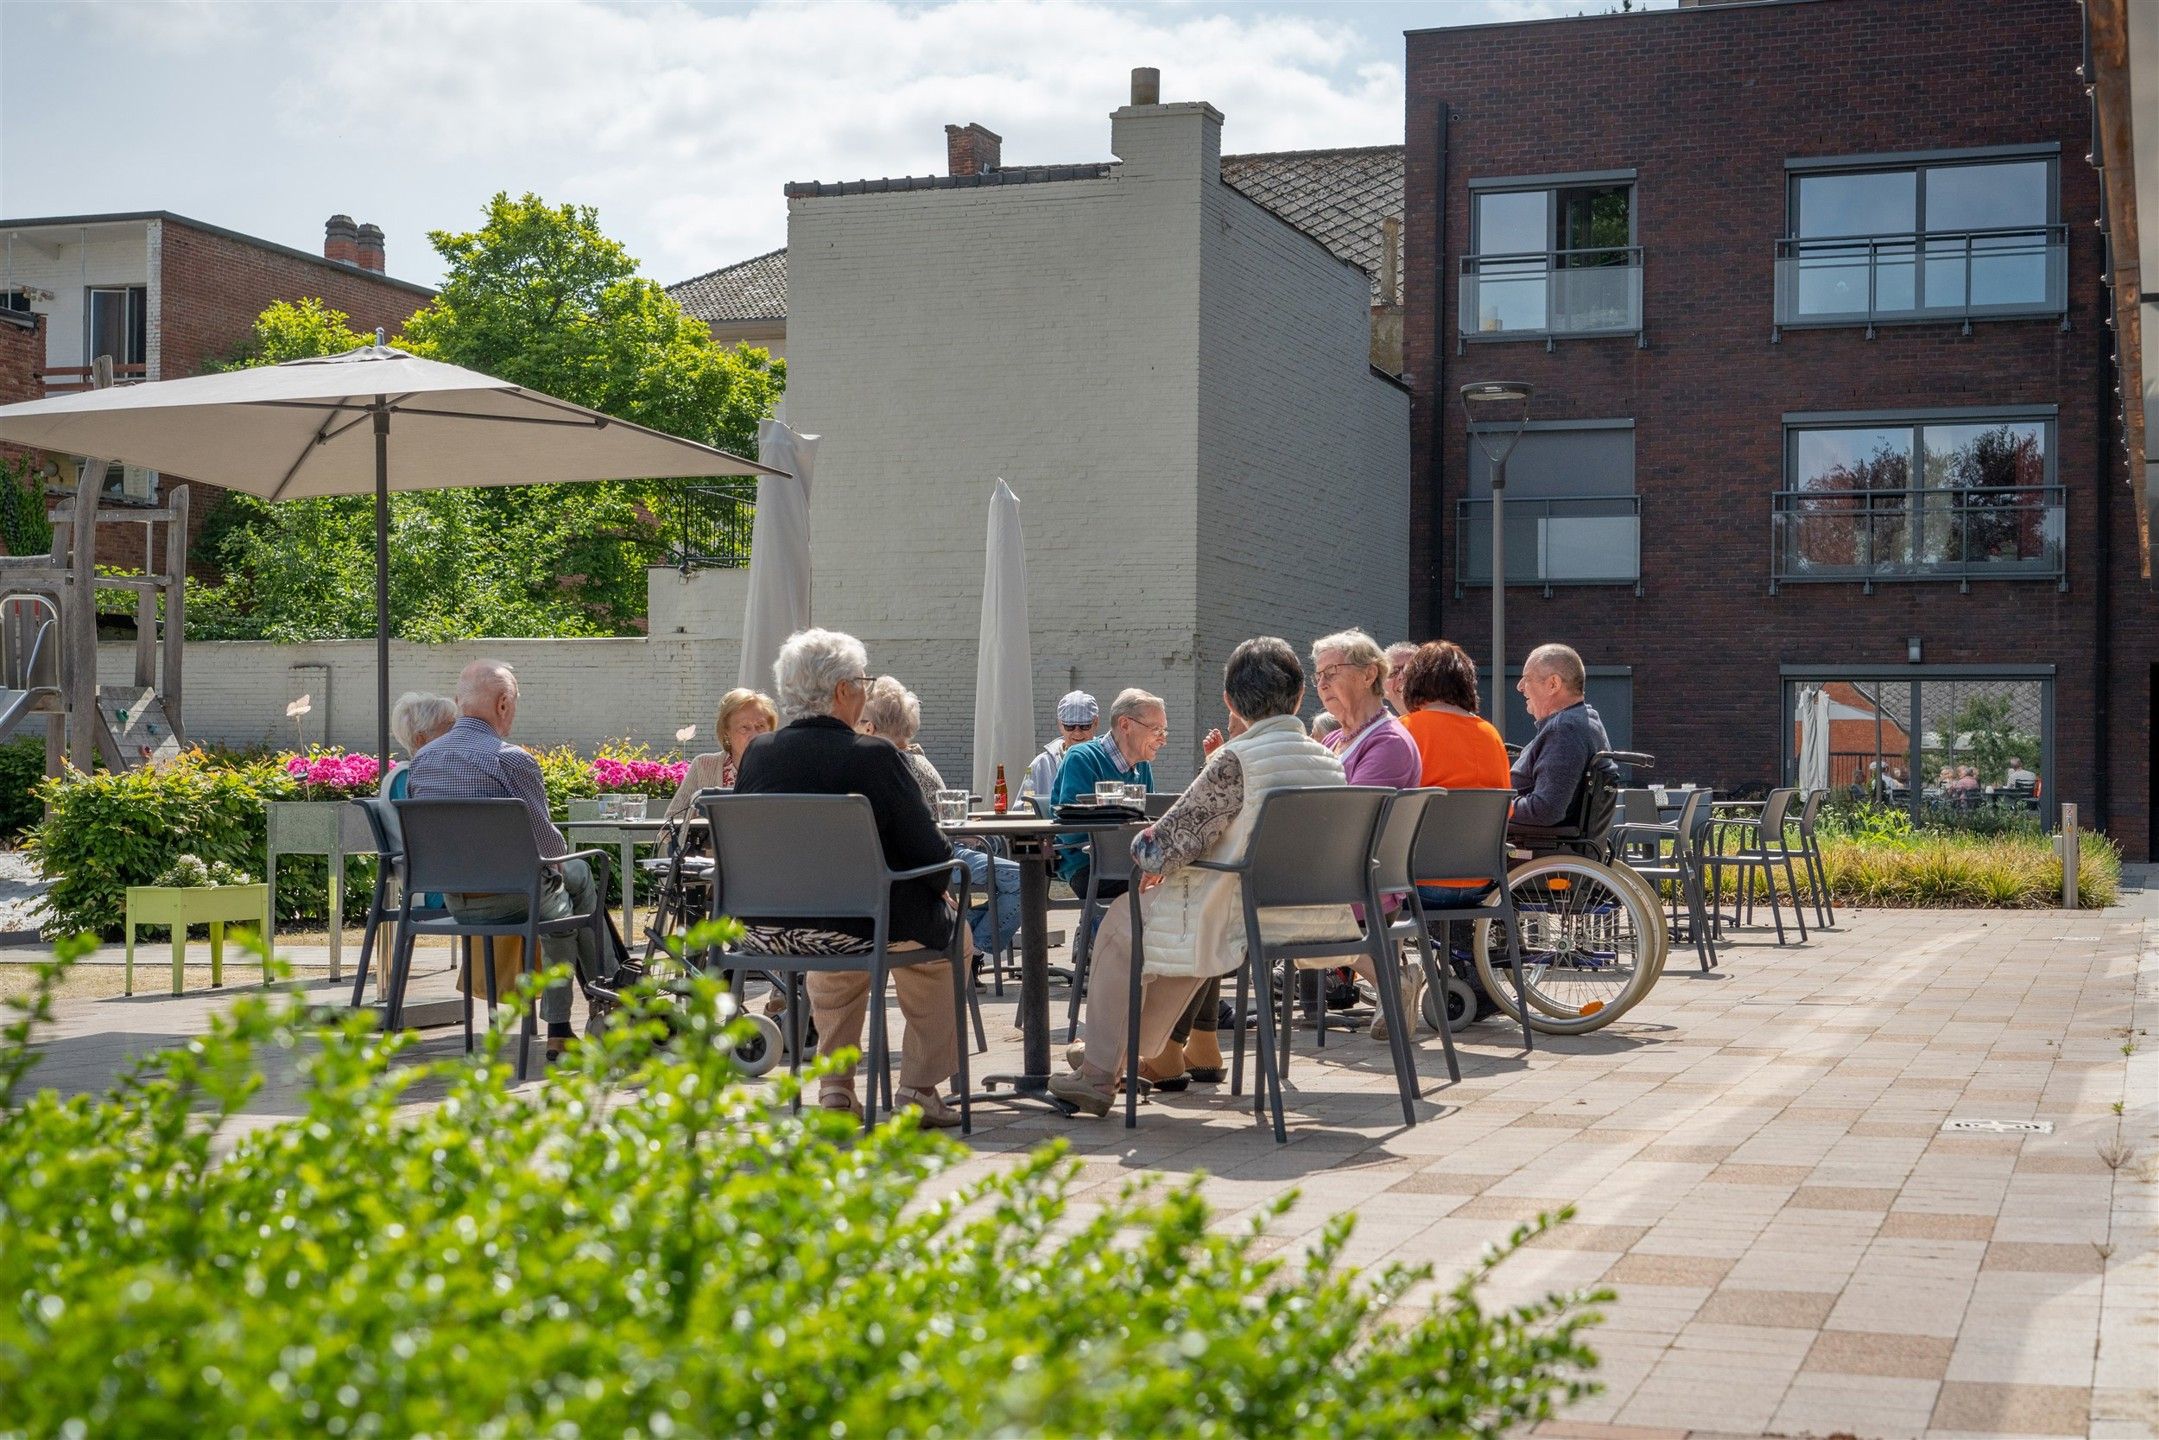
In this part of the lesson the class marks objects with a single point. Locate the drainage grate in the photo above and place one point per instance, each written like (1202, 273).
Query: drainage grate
(2001, 1127)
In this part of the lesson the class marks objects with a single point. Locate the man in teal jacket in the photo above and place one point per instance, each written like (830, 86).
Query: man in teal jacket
(1138, 726)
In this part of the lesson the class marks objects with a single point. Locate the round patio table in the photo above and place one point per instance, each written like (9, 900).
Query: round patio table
(1033, 839)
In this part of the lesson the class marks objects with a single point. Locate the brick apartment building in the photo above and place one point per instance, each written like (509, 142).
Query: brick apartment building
(165, 295)
(1811, 294)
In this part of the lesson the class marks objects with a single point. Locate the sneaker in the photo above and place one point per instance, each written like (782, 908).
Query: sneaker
(1081, 1093)
(936, 1114)
(1412, 1001)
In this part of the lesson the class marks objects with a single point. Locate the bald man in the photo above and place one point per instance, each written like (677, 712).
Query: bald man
(476, 761)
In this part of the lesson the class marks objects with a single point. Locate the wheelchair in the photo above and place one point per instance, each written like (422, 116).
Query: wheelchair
(1592, 932)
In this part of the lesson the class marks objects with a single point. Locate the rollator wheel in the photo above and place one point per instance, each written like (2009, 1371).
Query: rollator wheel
(1461, 1002)
(761, 1050)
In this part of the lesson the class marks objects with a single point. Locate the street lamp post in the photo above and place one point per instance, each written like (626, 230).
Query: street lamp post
(1498, 400)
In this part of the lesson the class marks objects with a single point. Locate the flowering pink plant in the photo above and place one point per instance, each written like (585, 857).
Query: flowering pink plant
(334, 775)
(638, 777)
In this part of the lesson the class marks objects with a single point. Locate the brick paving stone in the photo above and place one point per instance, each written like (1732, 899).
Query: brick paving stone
(2012, 1409)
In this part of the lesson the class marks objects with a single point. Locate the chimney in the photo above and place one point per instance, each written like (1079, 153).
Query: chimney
(341, 240)
(1146, 85)
(1181, 141)
(1390, 260)
(369, 248)
(972, 150)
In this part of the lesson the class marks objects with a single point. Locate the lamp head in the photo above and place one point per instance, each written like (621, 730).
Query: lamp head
(1478, 392)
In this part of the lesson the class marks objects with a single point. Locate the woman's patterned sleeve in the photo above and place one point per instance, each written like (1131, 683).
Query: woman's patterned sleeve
(1196, 821)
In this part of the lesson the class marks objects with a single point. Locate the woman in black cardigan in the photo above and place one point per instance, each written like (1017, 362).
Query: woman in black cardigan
(822, 678)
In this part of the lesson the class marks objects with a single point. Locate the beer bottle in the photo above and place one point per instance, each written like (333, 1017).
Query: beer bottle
(1004, 801)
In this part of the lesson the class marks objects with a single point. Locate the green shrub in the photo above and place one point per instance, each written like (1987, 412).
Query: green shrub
(645, 1247)
(22, 770)
(111, 830)
(23, 526)
(2009, 871)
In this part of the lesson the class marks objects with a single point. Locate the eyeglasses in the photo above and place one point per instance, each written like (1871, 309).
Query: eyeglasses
(1326, 676)
(1089, 725)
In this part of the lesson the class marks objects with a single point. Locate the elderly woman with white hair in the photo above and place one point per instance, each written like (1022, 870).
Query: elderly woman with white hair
(893, 713)
(823, 682)
(415, 719)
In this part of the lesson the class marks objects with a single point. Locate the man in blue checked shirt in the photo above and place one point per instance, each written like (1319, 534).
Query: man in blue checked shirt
(476, 761)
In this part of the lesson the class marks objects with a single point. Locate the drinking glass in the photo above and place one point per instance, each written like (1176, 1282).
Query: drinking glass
(1109, 792)
(1135, 795)
(633, 807)
(610, 807)
(952, 807)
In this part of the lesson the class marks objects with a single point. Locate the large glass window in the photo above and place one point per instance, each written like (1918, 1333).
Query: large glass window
(1951, 498)
(1943, 748)
(1572, 516)
(1949, 238)
(116, 324)
(1552, 260)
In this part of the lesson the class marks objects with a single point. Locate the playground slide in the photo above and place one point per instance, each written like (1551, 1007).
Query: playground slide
(15, 704)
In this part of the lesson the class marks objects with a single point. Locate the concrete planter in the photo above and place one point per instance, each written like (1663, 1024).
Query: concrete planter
(330, 828)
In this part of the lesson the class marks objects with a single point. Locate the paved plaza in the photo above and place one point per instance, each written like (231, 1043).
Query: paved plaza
(1757, 1158)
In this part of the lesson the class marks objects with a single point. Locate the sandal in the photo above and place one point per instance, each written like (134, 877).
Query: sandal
(831, 1096)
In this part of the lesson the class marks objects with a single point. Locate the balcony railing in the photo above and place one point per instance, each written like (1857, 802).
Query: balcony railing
(708, 524)
(1563, 540)
(66, 379)
(1963, 276)
(1992, 533)
(1551, 295)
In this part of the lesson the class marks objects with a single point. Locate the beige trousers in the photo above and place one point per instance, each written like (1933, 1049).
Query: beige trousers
(1162, 998)
(929, 1048)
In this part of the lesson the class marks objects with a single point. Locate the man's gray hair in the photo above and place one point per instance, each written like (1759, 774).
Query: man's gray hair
(480, 682)
(1133, 703)
(1559, 660)
(893, 710)
(1263, 678)
(418, 713)
(811, 666)
(1356, 648)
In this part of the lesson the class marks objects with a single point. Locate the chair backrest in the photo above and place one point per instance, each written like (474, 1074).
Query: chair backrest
(1774, 810)
(468, 847)
(1109, 853)
(1398, 839)
(1693, 818)
(1159, 801)
(809, 856)
(382, 821)
(1312, 845)
(1463, 837)
(1811, 810)
(1638, 807)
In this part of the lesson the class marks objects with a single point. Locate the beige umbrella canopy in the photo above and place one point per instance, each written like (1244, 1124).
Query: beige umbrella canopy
(369, 421)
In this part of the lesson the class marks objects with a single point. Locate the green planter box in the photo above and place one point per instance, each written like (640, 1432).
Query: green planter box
(181, 906)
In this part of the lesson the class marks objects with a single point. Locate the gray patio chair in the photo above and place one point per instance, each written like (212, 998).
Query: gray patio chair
(1643, 850)
(1310, 845)
(389, 871)
(817, 857)
(1763, 847)
(1810, 848)
(1394, 873)
(1109, 858)
(483, 847)
(1464, 837)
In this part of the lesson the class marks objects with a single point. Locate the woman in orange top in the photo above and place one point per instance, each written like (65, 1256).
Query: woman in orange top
(1461, 750)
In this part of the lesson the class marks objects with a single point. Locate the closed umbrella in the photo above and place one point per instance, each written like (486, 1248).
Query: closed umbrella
(333, 425)
(1004, 665)
(779, 601)
(1814, 717)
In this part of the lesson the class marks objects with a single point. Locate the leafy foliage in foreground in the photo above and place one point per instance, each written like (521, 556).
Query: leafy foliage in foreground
(646, 1247)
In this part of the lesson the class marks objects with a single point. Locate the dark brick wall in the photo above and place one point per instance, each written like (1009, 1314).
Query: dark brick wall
(213, 288)
(1706, 105)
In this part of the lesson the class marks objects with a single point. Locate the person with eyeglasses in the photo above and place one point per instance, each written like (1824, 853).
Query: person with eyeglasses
(1076, 716)
(1138, 726)
(822, 682)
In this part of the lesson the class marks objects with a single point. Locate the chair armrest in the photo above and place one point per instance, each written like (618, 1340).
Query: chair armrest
(1224, 866)
(1658, 832)
(920, 872)
(597, 854)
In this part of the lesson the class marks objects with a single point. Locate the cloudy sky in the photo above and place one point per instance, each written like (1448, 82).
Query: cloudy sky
(679, 121)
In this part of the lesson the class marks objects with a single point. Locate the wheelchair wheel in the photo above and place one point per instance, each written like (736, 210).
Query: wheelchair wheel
(1589, 944)
(761, 1051)
(1652, 905)
(1460, 1002)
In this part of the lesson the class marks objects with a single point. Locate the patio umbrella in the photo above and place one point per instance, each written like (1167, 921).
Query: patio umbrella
(1004, 665)
(1814, 738)
(328, 426)
(779, 601)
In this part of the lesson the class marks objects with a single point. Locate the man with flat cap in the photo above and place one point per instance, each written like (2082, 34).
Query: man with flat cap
(1076, 716)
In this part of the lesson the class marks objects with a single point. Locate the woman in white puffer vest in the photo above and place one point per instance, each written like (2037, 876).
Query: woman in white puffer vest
(1194, 919)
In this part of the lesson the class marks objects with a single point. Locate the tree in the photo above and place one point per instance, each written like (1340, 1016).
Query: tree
(539, 296)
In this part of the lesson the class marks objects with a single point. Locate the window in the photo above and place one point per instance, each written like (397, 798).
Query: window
(1552, 258)
(1609, 689)
(1946, 238)
(15, 300)
(1954, 495)
(116, 322)
(1942, 742)
(1572, 516)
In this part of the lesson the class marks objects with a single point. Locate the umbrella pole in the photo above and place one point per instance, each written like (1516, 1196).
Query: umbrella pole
(382, 581)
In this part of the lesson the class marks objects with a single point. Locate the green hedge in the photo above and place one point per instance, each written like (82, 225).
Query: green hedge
(2008, 871)
(22, 770)
(644, 1247)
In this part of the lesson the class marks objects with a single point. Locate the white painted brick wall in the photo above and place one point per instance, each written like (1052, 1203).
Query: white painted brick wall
(66, 260)
(1099, 344)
